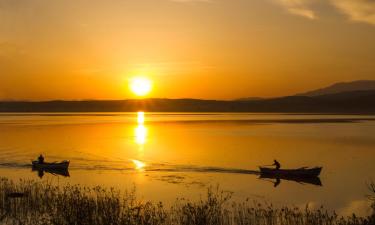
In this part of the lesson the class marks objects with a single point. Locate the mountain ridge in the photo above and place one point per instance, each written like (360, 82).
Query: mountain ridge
(357, 85)
(355, 102)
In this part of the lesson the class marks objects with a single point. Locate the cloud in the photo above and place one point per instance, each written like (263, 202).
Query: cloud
(357, 10)
(298, 7)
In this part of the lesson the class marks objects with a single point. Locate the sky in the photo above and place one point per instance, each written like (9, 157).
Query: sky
(210, 49)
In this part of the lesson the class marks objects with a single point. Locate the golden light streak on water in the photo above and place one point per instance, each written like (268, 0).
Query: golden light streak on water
(139, 165)
(140, 134)
(141, 118)
(141, 130)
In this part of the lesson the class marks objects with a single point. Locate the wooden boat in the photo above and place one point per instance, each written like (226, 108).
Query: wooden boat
(302, 180)
(301, 172)
(51, 166)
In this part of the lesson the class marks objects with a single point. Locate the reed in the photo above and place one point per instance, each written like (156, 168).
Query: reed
(34, 203)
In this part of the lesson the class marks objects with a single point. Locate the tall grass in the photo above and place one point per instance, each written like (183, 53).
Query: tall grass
(371, 197)
(32, 203)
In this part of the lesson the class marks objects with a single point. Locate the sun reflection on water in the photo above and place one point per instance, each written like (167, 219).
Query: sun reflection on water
(141, 118)
(141, 130)
(139, 165)
(140, 134)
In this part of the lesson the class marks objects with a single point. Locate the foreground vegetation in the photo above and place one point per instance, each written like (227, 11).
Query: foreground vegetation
(30, 202)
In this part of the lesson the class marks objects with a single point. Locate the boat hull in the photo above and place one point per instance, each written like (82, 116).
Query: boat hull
(51, 166)
(303, 172)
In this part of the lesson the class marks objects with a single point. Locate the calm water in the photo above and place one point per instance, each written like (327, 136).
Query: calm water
(179, 155)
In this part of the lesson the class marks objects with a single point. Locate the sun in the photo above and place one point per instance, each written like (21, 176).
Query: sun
(140, 86)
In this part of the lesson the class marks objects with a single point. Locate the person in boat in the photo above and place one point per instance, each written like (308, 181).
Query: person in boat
(41, 159)
(276, 164)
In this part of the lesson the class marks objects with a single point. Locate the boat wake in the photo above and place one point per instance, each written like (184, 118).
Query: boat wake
(161, 169)
(135, 165)
(198, 169)
(14, 165)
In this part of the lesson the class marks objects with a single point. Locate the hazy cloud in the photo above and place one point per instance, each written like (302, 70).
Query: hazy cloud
(298, 7)
(357, 10)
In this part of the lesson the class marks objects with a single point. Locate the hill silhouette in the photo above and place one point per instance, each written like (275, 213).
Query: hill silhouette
(359, 85)
(359, 102)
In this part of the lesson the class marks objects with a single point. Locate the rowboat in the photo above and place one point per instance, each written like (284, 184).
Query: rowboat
(301, 172)
(52, 166)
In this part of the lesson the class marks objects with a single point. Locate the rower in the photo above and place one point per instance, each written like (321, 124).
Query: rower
(277, 164)
(41, 159)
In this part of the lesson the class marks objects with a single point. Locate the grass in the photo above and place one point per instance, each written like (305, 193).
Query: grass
(34, 203)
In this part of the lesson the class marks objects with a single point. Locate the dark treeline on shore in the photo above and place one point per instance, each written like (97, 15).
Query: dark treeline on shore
(357, 102)
(31, 203)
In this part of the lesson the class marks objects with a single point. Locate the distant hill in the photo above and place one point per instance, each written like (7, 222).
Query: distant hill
(358, 102)
(249, 99)
(359, 85)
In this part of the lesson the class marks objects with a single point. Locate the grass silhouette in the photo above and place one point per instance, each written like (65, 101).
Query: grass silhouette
(33, 203)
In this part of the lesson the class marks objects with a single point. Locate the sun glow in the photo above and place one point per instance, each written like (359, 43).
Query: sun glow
(140, 86)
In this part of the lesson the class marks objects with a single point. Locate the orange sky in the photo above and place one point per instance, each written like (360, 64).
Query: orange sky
(212, 49)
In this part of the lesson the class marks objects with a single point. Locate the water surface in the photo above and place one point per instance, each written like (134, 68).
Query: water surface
(169, 155)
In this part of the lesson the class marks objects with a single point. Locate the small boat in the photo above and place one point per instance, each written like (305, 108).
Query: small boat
(301, 172)
(51, 166)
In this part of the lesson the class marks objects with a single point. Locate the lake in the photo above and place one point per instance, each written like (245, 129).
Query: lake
(172, 155)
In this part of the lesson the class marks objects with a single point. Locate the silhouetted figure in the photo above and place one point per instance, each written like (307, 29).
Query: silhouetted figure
(277, 164)
(41, 159)
(277, 182)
